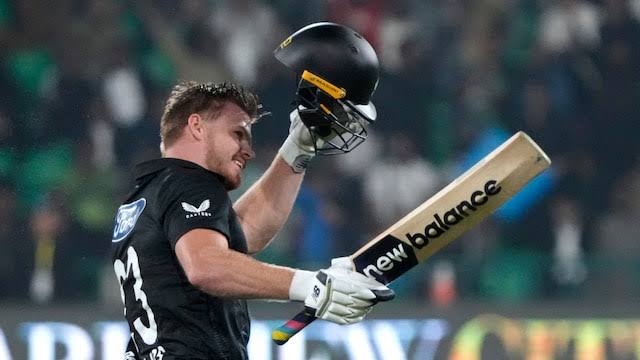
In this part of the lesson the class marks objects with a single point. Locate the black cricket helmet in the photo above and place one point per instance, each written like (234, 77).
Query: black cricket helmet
(337, 72)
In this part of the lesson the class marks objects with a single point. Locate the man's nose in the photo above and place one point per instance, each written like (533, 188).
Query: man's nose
(247, 152)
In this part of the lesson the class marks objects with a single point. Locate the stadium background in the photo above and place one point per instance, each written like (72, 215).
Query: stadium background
(556, 274)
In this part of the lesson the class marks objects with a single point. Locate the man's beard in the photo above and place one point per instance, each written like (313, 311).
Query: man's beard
(228, 185)
(217, 167)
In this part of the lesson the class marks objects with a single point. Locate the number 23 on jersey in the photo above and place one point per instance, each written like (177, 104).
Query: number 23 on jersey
(148, 334)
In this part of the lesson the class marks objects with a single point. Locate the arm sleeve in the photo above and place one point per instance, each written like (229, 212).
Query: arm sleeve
(192, 203)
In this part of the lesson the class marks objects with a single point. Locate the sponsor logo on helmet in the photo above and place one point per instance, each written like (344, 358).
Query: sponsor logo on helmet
(334, 91)
(286, 42)
(126, 219)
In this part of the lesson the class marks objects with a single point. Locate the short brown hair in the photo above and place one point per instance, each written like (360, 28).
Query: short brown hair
(192, 97)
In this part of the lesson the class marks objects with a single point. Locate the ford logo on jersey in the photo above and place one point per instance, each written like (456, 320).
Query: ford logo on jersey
(126, 219)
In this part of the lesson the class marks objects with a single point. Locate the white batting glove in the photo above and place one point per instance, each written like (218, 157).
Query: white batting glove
(297, 149)
(338, 294)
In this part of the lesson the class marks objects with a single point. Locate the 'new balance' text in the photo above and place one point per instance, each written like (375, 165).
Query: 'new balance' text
(453, 216)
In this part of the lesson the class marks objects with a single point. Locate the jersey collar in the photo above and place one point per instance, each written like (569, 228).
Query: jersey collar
(156, 165)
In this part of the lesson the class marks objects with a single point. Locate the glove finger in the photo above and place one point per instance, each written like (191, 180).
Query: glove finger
(342, 262)
(351, 302)
(361, 304)
(353, 320)
(353, 289)
(334, 318)
(349, 282)
(363, 293)
(341, 310)
(347, 312)
(364, 280)
(356, 314)
(342, 283)
(341, 298)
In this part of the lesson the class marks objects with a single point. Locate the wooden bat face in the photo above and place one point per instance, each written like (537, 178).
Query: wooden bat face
(455, 209)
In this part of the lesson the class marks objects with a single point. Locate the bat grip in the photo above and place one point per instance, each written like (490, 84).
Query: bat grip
(284, 332)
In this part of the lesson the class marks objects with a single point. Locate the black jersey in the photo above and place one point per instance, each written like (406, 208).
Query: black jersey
(168, 317)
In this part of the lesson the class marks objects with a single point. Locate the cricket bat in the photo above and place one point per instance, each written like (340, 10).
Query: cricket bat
(455, 209)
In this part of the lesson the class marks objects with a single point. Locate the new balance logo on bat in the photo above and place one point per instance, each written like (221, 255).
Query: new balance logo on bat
(386, 262)
(390, 257)
(453, 216)
(197, 211)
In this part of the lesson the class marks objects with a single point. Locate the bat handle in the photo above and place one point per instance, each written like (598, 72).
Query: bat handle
(284, 332)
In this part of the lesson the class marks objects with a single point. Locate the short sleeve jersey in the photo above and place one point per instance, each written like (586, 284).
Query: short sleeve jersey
(168, 317)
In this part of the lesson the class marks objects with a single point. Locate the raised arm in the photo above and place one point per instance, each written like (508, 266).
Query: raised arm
(263, 209)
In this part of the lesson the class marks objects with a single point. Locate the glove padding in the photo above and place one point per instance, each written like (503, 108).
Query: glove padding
(298, 148)
(343, 296)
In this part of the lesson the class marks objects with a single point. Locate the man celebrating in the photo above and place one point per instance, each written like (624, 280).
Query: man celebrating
(181, 249)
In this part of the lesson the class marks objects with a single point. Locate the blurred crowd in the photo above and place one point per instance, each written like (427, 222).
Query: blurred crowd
(82, 86)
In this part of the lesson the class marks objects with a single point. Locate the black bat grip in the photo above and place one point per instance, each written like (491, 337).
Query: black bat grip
(382, 295)
(283, 333)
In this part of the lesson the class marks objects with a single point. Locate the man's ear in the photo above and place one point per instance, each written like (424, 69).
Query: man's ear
(195, 126)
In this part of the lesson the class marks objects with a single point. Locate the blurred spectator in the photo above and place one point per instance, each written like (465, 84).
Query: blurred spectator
(635, 8)
(296, 15)
(616, 267)
(535, 115)
(482, 87)
(43, 168)
(186, 38)
(618, 96)
(395, 30)
(567, 24)
(245, 48)
(130, 142)
(364, 16)
(276, 90)
(397, 182)
(406, 109)
(9, 141)
(12, 240)
(101, 135)
(58, 264)
(89, 191)
(27, 60)
(346, 203)
(315, 238)
(122, 88)
(104, 28)
(6, 19)
(568, 255)
(69, 93)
